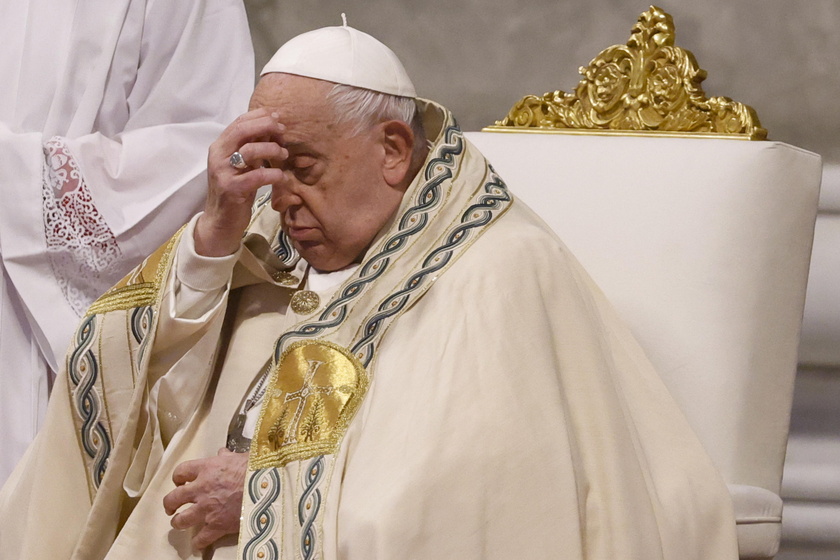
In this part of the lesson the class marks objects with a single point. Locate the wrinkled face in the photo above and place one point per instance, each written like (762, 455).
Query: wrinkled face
(335, 198)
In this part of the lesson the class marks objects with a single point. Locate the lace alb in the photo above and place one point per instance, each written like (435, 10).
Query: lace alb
(81, 247)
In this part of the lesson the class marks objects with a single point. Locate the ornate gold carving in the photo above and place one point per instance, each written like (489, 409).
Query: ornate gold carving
(312, 396)
(646, 86)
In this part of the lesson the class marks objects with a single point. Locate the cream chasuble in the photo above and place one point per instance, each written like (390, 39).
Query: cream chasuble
(467, 393)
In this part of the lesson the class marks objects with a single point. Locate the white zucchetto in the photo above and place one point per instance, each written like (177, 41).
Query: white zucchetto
(343, 55)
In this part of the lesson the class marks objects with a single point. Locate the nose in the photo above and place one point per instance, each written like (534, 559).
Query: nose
(285, 195)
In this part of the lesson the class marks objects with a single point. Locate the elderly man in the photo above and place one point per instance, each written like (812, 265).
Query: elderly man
(402, 361)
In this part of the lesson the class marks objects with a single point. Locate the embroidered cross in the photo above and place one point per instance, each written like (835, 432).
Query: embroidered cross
(314, 392)
(302, 395)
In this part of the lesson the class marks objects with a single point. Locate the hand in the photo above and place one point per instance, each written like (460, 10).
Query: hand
(258, 137)
(214, 486)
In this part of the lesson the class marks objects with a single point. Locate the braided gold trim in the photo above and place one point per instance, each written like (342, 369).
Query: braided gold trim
(141, 286)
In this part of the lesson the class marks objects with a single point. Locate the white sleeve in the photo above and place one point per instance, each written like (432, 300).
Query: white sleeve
(194, 295)
(199, 282)
(193, 306)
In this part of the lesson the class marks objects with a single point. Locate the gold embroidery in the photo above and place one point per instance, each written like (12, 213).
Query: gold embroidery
(277, 432)
(141, 286)
(305, 302)
(285, 278)
(312, 396)
(126, 297)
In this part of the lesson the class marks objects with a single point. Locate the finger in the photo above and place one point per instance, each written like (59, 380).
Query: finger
(241, 132)
(224, 451)
(256, 153)
(227, 210)
(187, 471)
(190, 517)
(256, 114)
(247, 123)
(177, 498)
(242, 187)
(222, 175)
(205, 537)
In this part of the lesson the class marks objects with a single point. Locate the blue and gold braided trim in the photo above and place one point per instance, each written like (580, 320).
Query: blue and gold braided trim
(479, 214)
(91, 417)
(263, 490)
(309, 507)
(137, 294)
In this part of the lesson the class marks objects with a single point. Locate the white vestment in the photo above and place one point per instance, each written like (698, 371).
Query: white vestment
(106, 112)
(495, 406)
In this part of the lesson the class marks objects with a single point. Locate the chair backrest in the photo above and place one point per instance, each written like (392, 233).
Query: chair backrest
(700, 237)
(703, 247)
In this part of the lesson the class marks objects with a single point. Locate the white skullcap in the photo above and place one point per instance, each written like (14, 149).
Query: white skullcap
(343, 55)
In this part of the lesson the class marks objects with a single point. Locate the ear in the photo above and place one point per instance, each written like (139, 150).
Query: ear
(398, 142)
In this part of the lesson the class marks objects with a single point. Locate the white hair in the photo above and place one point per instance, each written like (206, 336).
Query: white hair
(366, 108)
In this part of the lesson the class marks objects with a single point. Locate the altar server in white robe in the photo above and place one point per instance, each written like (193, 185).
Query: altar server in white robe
(106, 112)
(403, 361)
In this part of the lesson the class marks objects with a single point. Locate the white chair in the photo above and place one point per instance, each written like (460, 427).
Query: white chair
(702, 243)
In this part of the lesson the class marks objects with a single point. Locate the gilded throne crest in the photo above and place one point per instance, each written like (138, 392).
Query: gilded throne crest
(648, 85)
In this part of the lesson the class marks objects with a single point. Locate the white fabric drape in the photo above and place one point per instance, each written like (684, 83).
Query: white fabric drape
(106, 113)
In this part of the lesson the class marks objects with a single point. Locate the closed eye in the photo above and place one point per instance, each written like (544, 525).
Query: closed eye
(304, 167)
(303, 162)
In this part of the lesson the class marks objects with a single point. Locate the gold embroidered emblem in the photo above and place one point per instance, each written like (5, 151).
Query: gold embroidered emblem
(305, 302)
(312, 396)
(285, 278)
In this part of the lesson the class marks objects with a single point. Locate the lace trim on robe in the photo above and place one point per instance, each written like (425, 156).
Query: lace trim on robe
(81, 247)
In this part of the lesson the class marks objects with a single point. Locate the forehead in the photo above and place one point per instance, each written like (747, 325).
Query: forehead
(295, 98)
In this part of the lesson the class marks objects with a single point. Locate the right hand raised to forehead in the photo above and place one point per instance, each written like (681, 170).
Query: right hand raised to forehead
(258, 136)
